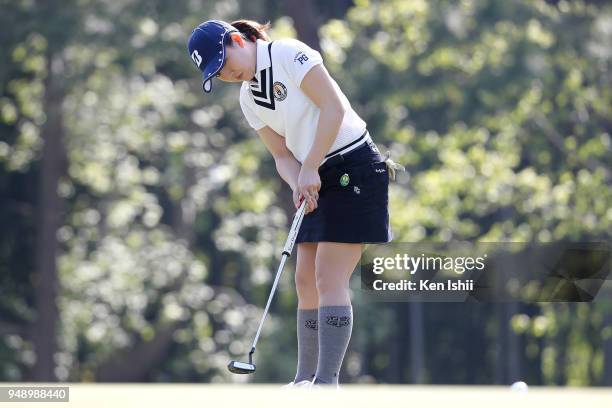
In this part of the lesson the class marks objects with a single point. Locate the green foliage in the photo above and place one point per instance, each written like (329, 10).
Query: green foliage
(501, 112)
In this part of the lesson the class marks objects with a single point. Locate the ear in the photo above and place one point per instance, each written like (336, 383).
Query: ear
(237, 38)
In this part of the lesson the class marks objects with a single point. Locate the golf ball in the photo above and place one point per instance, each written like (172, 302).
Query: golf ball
(519, 386)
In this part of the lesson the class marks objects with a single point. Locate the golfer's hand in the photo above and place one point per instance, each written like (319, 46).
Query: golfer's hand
(308, 187)
(297, 198)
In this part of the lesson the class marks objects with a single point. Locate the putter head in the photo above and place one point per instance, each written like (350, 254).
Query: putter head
(238, 367)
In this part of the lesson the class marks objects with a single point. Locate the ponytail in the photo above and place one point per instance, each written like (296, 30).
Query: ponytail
(252, 30)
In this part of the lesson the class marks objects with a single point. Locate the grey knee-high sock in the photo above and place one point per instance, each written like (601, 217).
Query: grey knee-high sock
(335, 326)
(308, 344)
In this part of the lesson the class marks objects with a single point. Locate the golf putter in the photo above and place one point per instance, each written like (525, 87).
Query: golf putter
(238, 367)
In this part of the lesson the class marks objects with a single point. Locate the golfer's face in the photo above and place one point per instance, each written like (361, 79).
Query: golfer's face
(237, 66)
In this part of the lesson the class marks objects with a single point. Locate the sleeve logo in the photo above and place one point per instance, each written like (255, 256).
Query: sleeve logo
(301, 58)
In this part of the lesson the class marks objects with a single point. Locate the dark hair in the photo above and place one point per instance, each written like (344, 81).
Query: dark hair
(252, 30)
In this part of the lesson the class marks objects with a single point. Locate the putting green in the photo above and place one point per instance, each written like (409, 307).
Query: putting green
(353, 396)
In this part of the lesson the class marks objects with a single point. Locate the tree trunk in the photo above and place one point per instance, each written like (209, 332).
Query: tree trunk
(514, 349)
(184, 210)
(135, 365)
(305, 20)
(417, 343)
(501, 346)
(45, 280)
(392, 371)
(514, 356)
(607, 351)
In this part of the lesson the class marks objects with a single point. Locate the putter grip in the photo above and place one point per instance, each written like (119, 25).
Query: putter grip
(295, 227)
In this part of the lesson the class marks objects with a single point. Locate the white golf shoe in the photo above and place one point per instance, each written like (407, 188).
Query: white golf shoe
(311, 385)
(300, 384)
(323, 386)
(291, 384)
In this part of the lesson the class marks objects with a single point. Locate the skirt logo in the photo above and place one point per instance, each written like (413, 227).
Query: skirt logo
(344, 180)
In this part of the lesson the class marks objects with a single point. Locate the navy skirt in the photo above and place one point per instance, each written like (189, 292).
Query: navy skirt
(353, 205)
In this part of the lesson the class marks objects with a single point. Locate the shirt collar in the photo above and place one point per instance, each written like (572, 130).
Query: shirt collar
(263, 58)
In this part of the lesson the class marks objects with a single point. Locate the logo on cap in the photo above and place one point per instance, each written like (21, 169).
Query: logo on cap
(195, 56)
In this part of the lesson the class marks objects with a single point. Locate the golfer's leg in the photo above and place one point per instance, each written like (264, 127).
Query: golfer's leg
(305, 279)
(335, 262)
(307, 314)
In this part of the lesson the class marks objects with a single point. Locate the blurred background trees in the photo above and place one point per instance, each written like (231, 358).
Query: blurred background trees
(142, 222)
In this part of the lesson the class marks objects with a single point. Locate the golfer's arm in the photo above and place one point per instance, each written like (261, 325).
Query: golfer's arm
(286, 164)
(318, 87)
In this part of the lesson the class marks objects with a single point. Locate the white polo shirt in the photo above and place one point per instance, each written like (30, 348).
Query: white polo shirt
(275, 99)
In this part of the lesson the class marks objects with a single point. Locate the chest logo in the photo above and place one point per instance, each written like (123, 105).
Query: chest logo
(280, 91)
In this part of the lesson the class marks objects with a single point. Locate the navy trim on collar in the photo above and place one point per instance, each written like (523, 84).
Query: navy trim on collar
(263, 92)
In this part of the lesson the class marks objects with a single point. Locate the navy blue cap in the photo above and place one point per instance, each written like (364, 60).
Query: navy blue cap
(207, 49)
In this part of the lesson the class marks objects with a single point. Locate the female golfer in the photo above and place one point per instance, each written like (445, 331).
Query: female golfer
(324, 152)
